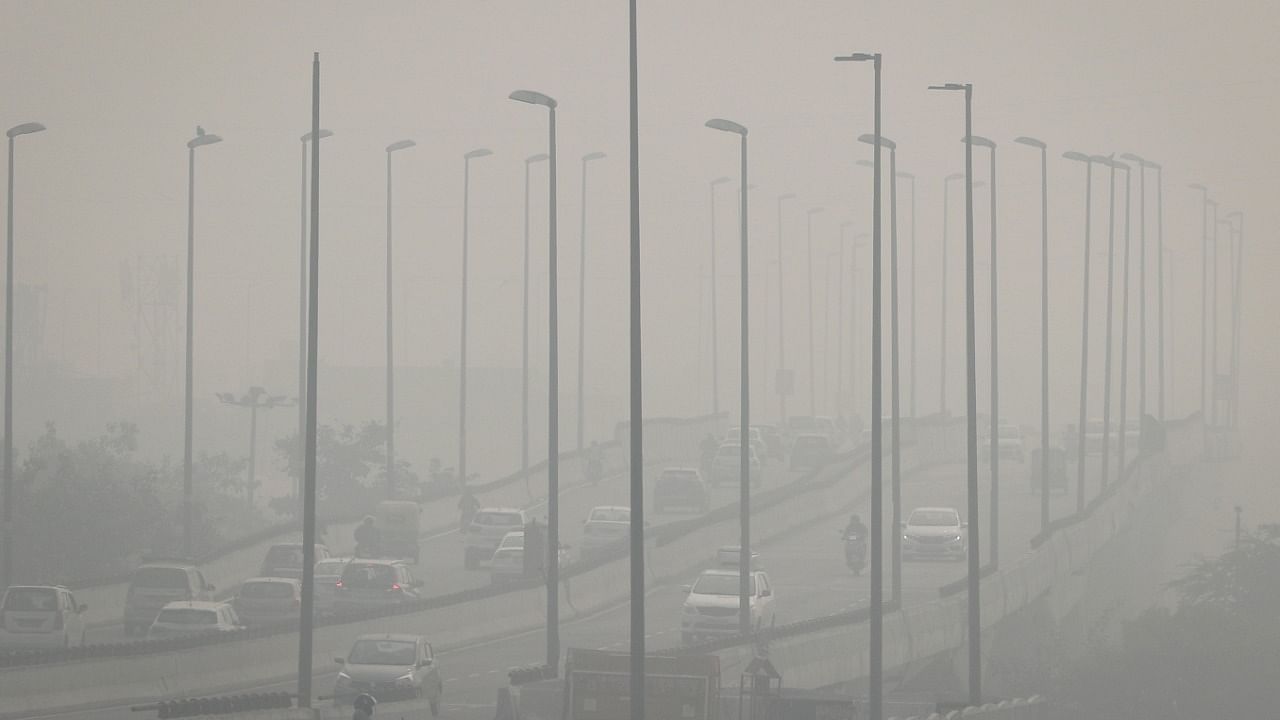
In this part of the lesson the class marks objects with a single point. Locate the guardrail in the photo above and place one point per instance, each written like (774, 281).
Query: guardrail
(225, 705)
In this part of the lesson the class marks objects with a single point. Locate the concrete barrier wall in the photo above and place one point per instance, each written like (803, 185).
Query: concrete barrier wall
(920, 632)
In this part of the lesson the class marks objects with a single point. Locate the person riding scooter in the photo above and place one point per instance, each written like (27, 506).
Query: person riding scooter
(362, 707)
(855, 544)
(468, 505)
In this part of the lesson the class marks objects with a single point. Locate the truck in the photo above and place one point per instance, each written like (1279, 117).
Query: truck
(599, 686)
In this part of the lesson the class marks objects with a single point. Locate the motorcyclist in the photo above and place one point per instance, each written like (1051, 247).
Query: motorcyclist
(367, 537)
(467, 507)
(855, 528)
(363, 707)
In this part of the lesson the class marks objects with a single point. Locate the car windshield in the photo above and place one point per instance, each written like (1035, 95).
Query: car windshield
(610, 515)
(382, 652)
(368, 575)
(160, 578)
(187, 616)
(934, 518)
(266, 591)
(497, 518)
(31, 599)
(720, 584)
(285, 556)
(329, 568)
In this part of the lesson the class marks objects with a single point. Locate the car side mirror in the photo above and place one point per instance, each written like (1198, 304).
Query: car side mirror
(82, 608)
(340, 661)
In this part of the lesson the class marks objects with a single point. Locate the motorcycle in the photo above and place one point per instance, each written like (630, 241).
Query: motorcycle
(855, 552)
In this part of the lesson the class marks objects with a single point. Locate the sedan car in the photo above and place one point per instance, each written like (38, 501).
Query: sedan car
(606, 525)
(374, 584)
(267, 599)
(711, 607)
(725, 467)
(328, 573)
(389, 666)
(508, 560)
(682, 488)
(811, 451)
(934, 532)
(194, 617)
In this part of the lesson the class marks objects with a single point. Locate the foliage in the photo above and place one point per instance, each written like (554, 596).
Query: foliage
(350, 469)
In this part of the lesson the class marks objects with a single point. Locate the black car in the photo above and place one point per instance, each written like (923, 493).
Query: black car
(810, 451)
(682, 488)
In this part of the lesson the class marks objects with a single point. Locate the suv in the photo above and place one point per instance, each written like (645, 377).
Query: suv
(681, 487)
(268, 599)
(811, 451)
(375, 584)
(285, 560)
(486, 530)
(725, 467)
(711, 608)
(157, 583)
(934, 532)
(40, 616)
(389, 667)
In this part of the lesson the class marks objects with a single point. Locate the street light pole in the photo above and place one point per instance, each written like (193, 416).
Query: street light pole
(744, 420)
(201, 138)
(462, 344)
(994, 541)
(302, 301)
(813, 402)
(1237, 292)
(1142, 282)
(582, 291)
(715, 314)
(6, 527)
(391, 396)
(1124, 328)
(782, 322)
(942, 327)
(1084, 324)
(911, 179)
(975, 605)
(637, 684)
(1204, 297)
(1044, 327)
(524, 331)
(1160, 284)
(553, 385)
(1112, 166)
(877, 427)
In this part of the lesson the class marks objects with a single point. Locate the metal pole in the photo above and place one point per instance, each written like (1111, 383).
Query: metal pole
(1213, 319)
(1044, 339)
(1142, 288)
(309, 456)
(1238, 286)
(826, 330)
(1084, 337)
(6, 573)
(744, 420)
(715, 325)
(895, 399)
(975, 605)
(187, 423)
(391, 396)
(1204, 306)
(637, 424)
(782, 338)
(994, 541)
(839, 270)
(942, 327)
(302, 317)
(1160, 282)
(1106, 362)
(553, 417)
(252, 481)
(813, 405)
(462, 340)
(1124, 333)
(912, 179)
(877, 431)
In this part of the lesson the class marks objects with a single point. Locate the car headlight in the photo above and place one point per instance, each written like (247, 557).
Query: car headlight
(405, 680)
(957, 538)
(343, 678)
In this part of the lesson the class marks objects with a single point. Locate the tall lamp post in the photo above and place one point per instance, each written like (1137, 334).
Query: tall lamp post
(744, 420)
(715, 313)
(1124, 327)
(462, 342)
(6, 572)
(975, 615)
(813, 402)
(1142, 281)
(524, 330)
(783, 389)
(994, 541)
(1112, 166)
(582, 291)
(877, 429)
(201, 139)
(912, 372)
(302, 297)
(1160, 252)
(1084, 323)
(1237, 296)
(637, 684)
(256, 399)
(1204, 295)
(1044, 326)
(942, 326)
(553, 384)
(391, 395)
(840, 323)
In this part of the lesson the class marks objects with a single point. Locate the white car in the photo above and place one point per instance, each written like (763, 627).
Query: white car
(194, 617)
(606, 525)
(712, 604)
(327, 574)
(754, 436)
(935, 532)
(40, 616)
(725, 465)
(1009, 442)
(507, 563)
(486, 531)
(268, 599)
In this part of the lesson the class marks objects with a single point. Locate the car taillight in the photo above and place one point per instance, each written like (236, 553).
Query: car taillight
(338, 585)
(395, 587)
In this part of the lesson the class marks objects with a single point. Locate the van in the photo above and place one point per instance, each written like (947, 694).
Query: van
(157, 583)
(40, 616)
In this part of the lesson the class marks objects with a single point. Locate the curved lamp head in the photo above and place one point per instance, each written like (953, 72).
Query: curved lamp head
(201, 138)
(870, 139)
(1077, 156)
(955, 176)
(980, 141)
(25, 129)
(726, 126)
(951, 86)
(593, 156)
(1101, 159)
(1198, 186)
(533, 98)
(786, 196)
(1024, 140)
(477, 153)
(400, 145)
(719, 181)
(306, 137)
(1133, 158)
(857, 57)
(536, 158)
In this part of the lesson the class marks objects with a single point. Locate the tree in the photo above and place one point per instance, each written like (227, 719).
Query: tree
(349, 468)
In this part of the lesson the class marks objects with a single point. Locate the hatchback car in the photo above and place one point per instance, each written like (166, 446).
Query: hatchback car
(285, 560)
(374, 584)
(328, 572)
(934, 532)
(267, 599)
(811, 451)
(711, 607)
(507, 563)
(682, 488)
(40, 616)
(725, 466)
(606, 525)
(389, 667)
(156, 583)
(486, 530)
(194, 618)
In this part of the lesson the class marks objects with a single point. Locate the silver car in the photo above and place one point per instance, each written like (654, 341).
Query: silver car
(389, 666)
(935, 532)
